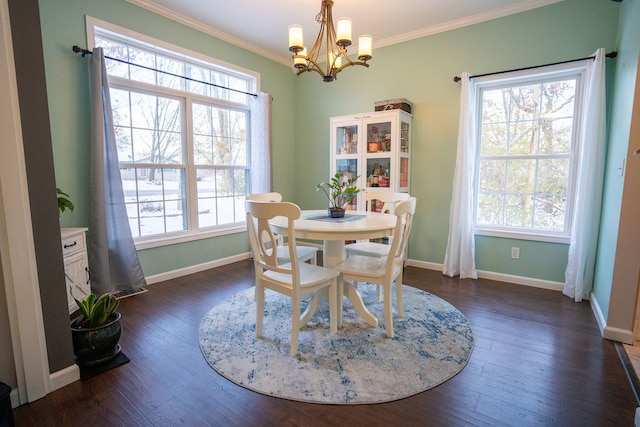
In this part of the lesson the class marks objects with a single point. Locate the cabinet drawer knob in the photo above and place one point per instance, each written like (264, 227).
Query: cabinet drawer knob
(71, 245)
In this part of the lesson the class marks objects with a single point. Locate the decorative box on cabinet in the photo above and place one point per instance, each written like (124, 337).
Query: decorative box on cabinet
(76, 264)
(374, 146)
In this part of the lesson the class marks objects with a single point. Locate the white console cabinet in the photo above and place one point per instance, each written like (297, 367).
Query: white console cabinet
(76, 264)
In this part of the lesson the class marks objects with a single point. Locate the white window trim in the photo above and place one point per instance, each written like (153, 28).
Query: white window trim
(147, 242)
(92, 22)
(573, 70)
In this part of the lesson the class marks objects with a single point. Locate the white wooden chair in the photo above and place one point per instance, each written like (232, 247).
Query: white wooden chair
(306, 251)
(377, 201)
(384, 271)
(295, 279)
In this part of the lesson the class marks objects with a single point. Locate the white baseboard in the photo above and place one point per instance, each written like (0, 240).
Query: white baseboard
(521, 280)
(618, 334)
(64, 377)
(609, 332)
(597, 313)
(499, 277)
(195, 268)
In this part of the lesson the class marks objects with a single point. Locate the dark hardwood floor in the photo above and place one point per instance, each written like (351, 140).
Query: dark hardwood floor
(538, 359)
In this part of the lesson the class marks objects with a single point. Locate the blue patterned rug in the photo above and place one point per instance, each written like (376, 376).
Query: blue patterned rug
(358, 365)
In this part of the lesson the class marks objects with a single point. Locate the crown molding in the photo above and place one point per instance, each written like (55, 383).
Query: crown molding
(464, 22)
(412, 35)
(209, 30)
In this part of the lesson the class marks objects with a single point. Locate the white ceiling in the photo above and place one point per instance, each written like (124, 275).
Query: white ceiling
(261, 26)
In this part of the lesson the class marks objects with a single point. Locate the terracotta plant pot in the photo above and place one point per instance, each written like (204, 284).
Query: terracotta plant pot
(93, 346)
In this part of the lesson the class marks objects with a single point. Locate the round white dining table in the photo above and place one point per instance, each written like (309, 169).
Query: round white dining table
(357, 225)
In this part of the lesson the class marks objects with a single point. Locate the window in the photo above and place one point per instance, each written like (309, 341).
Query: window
(183, 144)
(526, 155)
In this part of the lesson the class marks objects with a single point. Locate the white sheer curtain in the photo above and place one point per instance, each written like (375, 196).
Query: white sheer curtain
(590, 174)
(261, 143)
(113, 259)
(459, 258)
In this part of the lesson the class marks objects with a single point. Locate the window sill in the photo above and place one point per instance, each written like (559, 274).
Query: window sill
(523, 235)
(187, 236)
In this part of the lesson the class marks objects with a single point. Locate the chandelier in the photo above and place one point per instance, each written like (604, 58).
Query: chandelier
(335, 44)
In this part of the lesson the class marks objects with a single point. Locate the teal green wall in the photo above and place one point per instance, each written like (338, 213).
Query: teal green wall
(63, 25)
(422, 71)
(628, 46)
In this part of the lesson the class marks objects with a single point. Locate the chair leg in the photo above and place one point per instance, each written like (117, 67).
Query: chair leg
(259, 296)
(334, 306)
(388, 315)
(399, 295)
(339, 300)
(378, 294)
(295, 325)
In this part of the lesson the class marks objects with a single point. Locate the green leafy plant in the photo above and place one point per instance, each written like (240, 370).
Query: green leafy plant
(63, 201)
(340, 190)
(96, 311)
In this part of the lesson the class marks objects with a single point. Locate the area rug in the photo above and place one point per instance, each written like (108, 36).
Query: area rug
(358, 365)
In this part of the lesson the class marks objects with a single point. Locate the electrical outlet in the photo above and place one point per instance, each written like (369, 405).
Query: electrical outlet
(515, 253)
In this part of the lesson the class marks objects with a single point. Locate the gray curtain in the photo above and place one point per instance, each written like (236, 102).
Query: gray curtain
(113, 260)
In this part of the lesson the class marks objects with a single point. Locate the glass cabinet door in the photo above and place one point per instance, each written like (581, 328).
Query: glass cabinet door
(347, 139)
(379, 137)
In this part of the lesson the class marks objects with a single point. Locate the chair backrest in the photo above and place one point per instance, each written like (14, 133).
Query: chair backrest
(398, 251)
(264, 240)
(265, 197)
(384, 201)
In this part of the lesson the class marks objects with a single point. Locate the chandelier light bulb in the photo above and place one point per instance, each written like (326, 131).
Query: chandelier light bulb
(296, 38)
(365, 43)
(343, 32)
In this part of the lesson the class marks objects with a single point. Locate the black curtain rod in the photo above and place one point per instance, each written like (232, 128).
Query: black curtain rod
(608, 55)
(78, 49)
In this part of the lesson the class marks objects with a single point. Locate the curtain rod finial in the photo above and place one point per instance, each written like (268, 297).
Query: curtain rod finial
(78, 49)
(457, 79)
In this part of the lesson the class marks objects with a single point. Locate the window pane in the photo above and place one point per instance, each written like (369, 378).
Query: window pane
(173, 67)
(156, 200)
(201, 75)
(220, 136)
(518, 210)
(553, 176)
(155, 135)
(525, 103)
(116, 50)
(490, 209)
(556, 136)
(523, 138)
(494, 139)
(521, 176)
(492, 175)
(550, 212)
(221, 195)
(141, 57)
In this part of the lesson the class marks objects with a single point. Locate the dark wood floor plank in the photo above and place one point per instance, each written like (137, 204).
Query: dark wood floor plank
(538, 359)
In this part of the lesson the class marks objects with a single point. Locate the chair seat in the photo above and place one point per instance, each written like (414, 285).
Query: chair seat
(310, 275)
(368, 248)
(364, 266)
(304, 253)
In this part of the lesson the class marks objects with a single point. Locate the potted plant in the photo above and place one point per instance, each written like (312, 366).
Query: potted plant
(64, 202)
(340, 191)
(97, 330)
